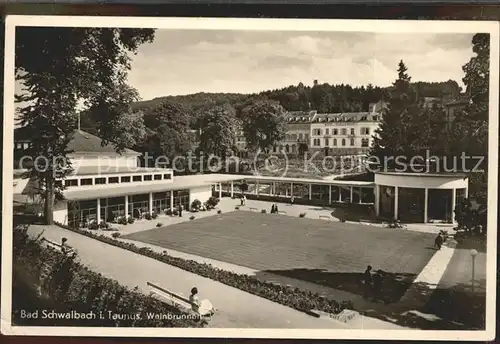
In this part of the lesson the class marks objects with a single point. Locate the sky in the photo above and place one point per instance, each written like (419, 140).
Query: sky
(190, 61)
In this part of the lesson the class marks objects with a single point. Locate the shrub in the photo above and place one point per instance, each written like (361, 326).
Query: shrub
(66, 285)
(154, 215)
(192, 217)
(93, 225)
(196, 205)
(168, 212)
(176, 212)
(131, 219)
(302, 214)
(263, 211)
(219, 211)
(103, 225)
(159, 224)
(212, 202)
(237, 208)
(148, 216)
(122, 220)
(115, 235)
(295, 298)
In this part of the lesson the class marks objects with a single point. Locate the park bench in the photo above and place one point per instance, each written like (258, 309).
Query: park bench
(58, 247)
(180, 301)
(281, 212)
(324, 217)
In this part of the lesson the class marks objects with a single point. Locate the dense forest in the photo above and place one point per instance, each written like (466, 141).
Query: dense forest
(321, 97)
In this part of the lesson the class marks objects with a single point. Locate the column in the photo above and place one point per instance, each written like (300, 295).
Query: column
(330, 194)
(396, 202)
(126, 206)
(426, 202)
(257, 187)
(351, 190)
(340, 193)
(220, 190)
(171, 199)
(98, 210)
(151, 203)
(291, 189)
(376, 189)
(467, 192)
(310, 191)
(274, 189)
(453, 204)
(360, 193)
(232, 189)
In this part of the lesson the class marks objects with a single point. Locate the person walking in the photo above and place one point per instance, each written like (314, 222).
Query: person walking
(244, 199)
(276, 208)
(438, 242)
(367, 279)
(180, 210)
(292, 200)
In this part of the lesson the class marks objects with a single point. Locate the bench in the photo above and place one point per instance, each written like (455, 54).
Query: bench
(179, 300)
(281, 212)
(324, 217)
(58, 247)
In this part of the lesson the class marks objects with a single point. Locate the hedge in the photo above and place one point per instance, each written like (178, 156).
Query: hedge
(46, 279)
(296, 298)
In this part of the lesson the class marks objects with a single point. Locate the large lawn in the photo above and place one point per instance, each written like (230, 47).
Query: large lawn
(327, 253)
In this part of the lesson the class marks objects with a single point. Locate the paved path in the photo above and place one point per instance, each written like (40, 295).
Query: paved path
(236, 309)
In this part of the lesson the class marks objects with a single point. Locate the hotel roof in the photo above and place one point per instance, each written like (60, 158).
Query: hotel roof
(346, 117)
(101, 170)
(81, 143)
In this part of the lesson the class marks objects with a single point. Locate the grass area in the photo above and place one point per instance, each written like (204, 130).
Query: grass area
(326, 253)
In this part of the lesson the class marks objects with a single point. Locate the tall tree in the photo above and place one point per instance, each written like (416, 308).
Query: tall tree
(60, 68)
(218, 129)
(173, 133)
(263, 124)
(393, 138)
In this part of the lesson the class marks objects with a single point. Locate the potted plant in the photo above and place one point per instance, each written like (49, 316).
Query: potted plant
(130, 220)
(196, 205)
(154, 215)
(148, 216)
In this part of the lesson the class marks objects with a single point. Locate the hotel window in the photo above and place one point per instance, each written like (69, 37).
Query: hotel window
(71, 182)
(365, 143)
(334, 142)
(125, 179)
(58, 183)
(98, 181)
(300, 136)
(157, 176)
(327, 143)
(335, 131)
(344, 131)
(352, 131)
(316, 142)
(148, 177)
(86, 181)
(167, 176)
(365, 131)
(137, 178)
(352, 142)
(113, 180)
(307, 136)
(327, 131)
(343, 142)
(375, 118)
(317, 132)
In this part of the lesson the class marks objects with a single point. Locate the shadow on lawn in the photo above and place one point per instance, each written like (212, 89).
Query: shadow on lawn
(394, 285)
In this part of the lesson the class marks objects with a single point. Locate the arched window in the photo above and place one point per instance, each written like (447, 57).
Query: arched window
(343, 142)
(287, 148)
(294, 148)
(334, 142)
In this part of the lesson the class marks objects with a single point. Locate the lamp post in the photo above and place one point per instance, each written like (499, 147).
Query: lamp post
(473, 254)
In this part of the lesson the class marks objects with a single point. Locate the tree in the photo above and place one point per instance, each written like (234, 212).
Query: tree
(60, 68)
(263, 124)
(394, 137)
(173, 132)
(218, 129)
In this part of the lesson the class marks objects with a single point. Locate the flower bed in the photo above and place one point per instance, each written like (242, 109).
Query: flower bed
(292, 297)
(50, 277)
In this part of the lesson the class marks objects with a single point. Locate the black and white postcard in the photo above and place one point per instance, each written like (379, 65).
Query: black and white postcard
(270, 178)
